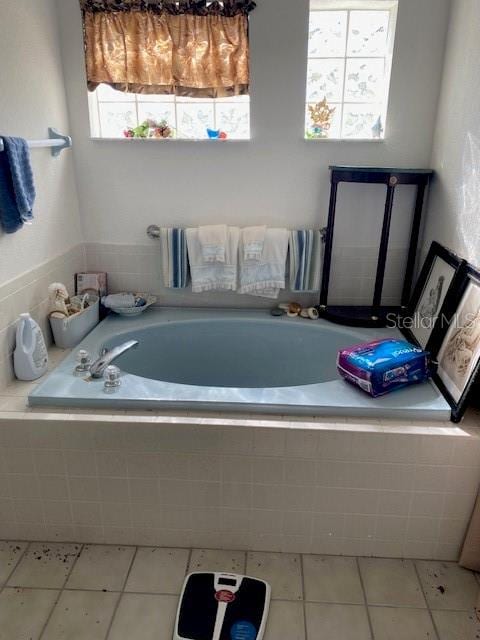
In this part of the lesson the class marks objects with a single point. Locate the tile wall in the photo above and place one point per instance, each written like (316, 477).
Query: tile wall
(137, 267)
(29, 292)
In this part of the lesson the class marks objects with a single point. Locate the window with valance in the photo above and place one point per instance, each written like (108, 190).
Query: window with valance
(181, 65)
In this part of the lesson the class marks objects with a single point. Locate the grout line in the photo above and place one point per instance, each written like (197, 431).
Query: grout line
(414, 562)
(21, 556)
(114, 613)
(60, 591)
(132, 562)
(69, 573)
(304, 593)
(116, 544)
(177, 595)
(365, 598)
(189, 560)
(117, 604)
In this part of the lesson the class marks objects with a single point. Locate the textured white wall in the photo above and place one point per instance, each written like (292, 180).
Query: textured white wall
(454, 208)
(277, 178)
(32, 98)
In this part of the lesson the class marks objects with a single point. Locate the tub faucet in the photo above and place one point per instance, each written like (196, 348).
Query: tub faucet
(97, 369)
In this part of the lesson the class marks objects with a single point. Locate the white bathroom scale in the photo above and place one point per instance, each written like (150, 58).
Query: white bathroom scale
(222, 606)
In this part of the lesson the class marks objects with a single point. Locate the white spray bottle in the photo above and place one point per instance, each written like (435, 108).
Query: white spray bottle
(30, 358)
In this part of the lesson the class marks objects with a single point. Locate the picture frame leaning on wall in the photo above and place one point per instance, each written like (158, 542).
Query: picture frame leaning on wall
(456, 340)
(438, 277)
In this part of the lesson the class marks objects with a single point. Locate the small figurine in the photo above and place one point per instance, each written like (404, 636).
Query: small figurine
(58, 298)
(162, 130)
(293, 309)
(377, 128)
(216, 134)
(321, 116)
(150, 129)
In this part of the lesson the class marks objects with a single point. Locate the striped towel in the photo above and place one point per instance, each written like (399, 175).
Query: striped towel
(305, 259)
(173, 243)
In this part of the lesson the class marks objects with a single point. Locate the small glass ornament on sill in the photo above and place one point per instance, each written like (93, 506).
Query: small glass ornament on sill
(377, 129)
(150, 129)
(216, 134)
(321, 116)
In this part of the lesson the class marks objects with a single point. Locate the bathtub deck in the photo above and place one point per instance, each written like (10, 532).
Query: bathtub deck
(332, 398)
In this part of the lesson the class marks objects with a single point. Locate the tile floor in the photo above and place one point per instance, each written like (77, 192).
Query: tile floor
(101, 592)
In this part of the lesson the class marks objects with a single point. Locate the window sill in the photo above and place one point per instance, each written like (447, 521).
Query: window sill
(374, 140)
(170, 140)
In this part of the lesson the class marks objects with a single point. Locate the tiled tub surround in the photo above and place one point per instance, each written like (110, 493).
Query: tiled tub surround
(29, 293)
(138, 268)
(100, 592)
(251, 482)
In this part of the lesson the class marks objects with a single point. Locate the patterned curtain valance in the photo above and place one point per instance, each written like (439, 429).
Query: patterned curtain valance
(227, 8)
(190, 48)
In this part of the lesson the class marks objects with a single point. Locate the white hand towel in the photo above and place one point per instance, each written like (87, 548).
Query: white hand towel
(213, 241)
(253, 239)
(213, 276)
(265, 277)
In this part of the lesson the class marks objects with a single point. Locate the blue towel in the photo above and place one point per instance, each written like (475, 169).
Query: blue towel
(17, 189)
(173, 245)
(18, 154)
(305, 246)
(10, 219)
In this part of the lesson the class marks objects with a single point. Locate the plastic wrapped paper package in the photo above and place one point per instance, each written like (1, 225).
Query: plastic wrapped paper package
(381, 366)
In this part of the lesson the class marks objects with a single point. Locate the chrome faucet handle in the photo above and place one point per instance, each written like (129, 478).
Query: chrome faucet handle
(112, 379)
(84, 362)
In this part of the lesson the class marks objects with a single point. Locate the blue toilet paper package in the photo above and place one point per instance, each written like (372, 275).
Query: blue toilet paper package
(382, 366)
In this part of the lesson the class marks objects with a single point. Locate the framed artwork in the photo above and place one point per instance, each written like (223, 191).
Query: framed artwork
(427, 304)
(459, 345)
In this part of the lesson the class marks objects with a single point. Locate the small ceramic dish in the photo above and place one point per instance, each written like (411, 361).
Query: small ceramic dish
(136, 311)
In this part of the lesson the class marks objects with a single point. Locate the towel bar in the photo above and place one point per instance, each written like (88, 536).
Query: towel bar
(153, 232)
(57, 141)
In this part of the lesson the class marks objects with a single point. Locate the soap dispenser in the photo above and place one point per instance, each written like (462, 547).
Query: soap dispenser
(30, 358)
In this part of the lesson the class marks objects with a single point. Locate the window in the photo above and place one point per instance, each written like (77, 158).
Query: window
(350, 46)
(158, 69)
(113, 114)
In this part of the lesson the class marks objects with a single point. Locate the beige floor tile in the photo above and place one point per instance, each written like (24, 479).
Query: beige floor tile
(394, 623)
(285, 620)
(332, 579)
(391, 582)
(337, 622)
(157, 570)
(217, 560)
(101, 567)
(456, 625)
(281, 570)
(81, 615)
(10, 554)
(45, 565)
(144, 617)
(448, 586)
(23, 612)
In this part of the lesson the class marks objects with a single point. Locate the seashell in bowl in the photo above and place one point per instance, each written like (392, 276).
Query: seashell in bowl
(136, 311)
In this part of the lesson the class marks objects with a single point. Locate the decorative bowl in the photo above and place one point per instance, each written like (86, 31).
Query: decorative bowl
(136, 311)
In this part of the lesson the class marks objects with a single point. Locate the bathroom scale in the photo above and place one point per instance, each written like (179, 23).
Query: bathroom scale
(222, 606)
